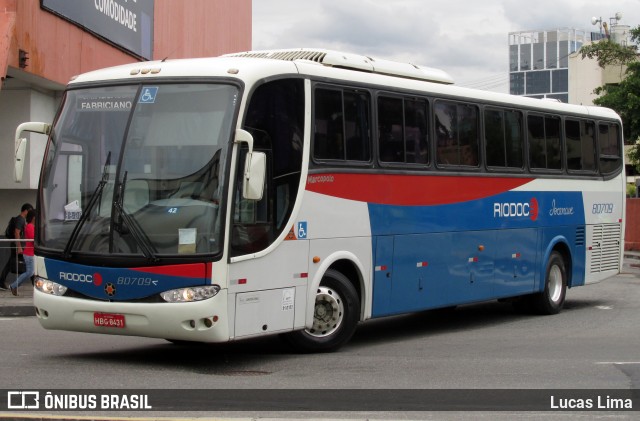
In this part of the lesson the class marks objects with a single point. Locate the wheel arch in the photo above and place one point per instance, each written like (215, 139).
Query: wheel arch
(561, 245)
(349, 265)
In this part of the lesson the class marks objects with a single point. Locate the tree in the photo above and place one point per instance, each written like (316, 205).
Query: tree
(624, 97)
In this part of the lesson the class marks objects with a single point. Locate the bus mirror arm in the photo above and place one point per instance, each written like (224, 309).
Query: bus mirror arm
(254, 168)
(21, 145)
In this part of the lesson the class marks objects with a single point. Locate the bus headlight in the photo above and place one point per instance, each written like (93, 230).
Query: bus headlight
(185, 295)
(49, 287)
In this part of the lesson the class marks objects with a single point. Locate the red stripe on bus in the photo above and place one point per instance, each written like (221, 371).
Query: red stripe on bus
(191, 270)
(411, 190)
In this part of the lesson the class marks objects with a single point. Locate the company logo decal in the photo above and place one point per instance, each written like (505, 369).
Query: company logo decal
(560, 211)
(97, 279)
(516, 210)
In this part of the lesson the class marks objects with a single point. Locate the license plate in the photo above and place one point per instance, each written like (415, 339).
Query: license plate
(108, 320)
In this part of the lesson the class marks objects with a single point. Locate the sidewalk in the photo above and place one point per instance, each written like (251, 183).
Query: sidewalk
(20, 306)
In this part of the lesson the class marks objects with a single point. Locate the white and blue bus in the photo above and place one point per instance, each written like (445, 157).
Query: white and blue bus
(300, 192)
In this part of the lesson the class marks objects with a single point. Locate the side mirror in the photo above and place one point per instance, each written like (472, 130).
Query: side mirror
(254, 175)
(21, 145)
(255, 168)
(18, 166)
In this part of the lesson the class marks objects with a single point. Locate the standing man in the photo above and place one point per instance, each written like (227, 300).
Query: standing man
(16, 247)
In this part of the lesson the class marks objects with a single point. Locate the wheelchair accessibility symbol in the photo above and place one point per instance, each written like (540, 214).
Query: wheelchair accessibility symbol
(302, 230)
(148, 95)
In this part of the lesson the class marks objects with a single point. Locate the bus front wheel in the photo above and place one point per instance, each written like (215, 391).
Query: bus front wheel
(336, 314)
(551, 300)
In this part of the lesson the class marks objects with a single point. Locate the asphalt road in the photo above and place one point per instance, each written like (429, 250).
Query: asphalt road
(592, 344)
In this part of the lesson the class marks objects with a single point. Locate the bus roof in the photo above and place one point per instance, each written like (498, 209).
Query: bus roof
(251, 66)
(353, 62)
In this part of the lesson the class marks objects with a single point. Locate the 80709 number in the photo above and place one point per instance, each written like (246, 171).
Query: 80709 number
(599, 208)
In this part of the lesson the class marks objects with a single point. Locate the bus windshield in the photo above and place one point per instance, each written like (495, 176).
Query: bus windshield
(137, 170)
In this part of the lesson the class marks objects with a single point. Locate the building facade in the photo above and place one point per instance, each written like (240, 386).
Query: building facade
(43, 43)
(539, 61)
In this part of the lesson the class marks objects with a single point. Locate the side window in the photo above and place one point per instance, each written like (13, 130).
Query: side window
(581, 145)
(456, 134)
(416, 131)
(545, 151)
(537, 147)
(390, 132)
(610, 148)
(329, 125)
(275, 118)
(342, 129)
(504, 140)
(403, 134)
(553, 140)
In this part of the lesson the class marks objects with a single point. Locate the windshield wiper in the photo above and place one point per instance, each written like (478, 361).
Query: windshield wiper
(132, 225)
(97, 195)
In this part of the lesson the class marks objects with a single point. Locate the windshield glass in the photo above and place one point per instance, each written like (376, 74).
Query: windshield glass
(137, 170)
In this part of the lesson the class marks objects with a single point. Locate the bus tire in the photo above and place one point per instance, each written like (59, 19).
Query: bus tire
(336, 314)
(551, 300)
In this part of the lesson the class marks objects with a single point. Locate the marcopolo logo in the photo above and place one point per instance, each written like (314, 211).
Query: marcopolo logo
(516, 209)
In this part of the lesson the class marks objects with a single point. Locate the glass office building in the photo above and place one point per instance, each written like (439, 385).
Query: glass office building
(539, 61)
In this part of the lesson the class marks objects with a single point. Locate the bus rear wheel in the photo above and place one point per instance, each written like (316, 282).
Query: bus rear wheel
(336, 314)
(551, 300)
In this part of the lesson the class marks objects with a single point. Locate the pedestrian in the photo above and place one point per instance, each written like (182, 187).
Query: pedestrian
(27, 251)
(16, 247)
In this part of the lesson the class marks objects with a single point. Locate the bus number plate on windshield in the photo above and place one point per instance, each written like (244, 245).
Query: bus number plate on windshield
(108, 320)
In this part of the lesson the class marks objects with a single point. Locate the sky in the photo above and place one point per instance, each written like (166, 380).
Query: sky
(466, 38)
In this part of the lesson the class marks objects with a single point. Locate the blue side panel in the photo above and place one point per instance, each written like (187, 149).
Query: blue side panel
(515, 263)
(436, 256)
(509, 210)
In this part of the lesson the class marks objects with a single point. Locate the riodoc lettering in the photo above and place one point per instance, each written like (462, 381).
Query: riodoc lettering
(76, 277)
(118, 13)
(504, 210)
(516, 210)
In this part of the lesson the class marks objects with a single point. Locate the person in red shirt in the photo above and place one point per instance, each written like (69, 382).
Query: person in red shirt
(27, 251)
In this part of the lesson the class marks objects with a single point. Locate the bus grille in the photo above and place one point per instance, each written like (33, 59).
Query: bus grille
(605, 251)
(316, 56)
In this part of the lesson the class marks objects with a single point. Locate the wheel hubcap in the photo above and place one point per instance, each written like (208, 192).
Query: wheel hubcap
(328, 313)
(555, 284)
